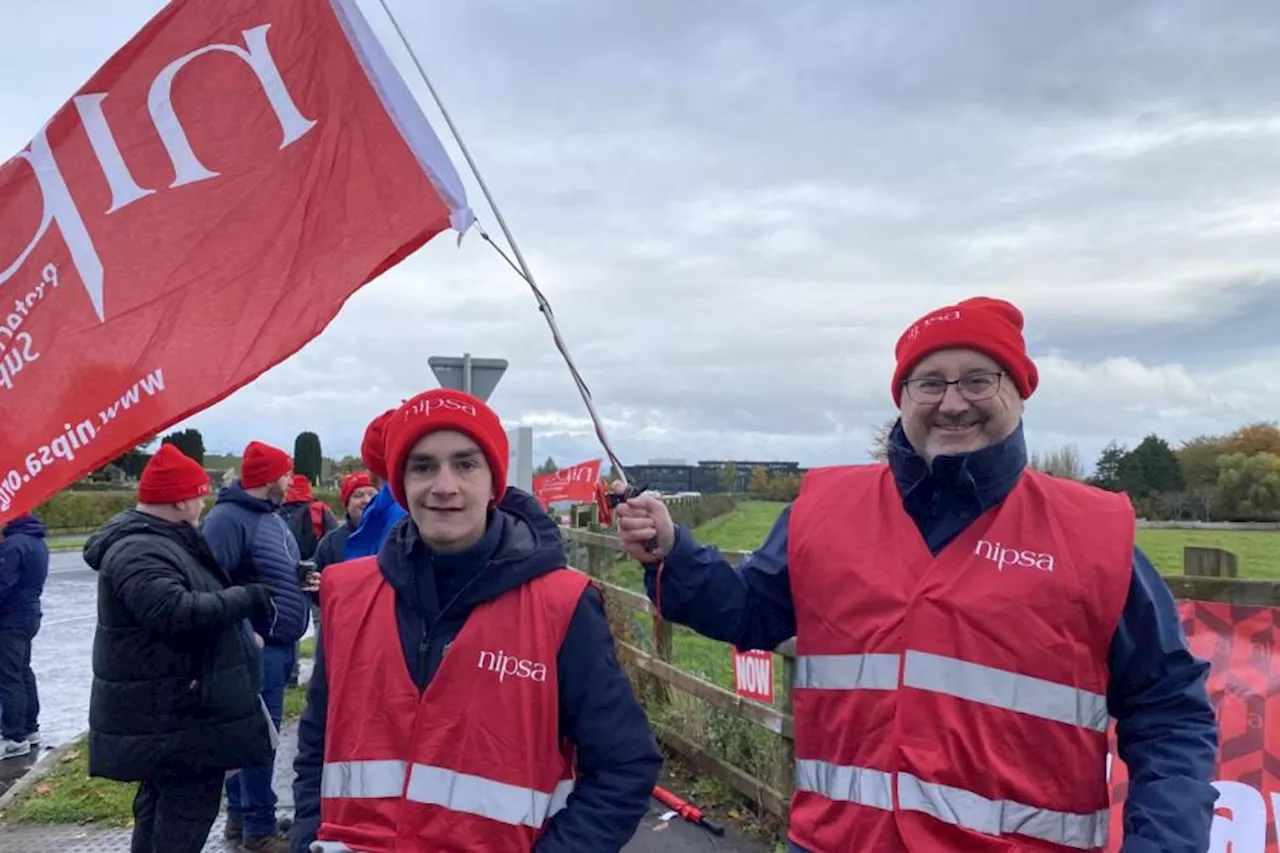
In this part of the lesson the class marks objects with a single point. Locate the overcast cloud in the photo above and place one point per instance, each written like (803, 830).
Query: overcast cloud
(735, 208)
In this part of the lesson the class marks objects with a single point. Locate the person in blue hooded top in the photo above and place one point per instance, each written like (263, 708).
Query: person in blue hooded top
(966, 628)
(382, 513)
(24, 568)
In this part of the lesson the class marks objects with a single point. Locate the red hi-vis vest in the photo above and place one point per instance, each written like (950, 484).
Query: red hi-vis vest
(957, 702)
(474, 763)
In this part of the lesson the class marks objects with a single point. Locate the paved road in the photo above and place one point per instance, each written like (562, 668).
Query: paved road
(62, 660)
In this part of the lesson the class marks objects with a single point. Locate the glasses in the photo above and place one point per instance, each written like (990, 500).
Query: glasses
(975, 387)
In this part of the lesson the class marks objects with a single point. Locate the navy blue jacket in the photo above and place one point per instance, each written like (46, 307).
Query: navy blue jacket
(253, 544)
(618, 758)
(24, 568)
(1166, 729)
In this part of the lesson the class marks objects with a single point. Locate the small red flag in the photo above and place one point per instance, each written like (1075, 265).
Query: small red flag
(575, 483)
(192, 216)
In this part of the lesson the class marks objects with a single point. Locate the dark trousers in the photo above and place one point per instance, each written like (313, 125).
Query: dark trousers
(251, 799)
(19, 701)
(175, 809)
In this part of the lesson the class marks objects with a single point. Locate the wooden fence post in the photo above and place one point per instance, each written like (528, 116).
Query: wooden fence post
(1209, 563)
(788, 785)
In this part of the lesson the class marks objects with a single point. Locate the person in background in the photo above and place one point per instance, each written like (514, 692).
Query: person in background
(467, 696)
(309, 521)
(965, 628)
(174, 703)
(356, 491)
(253, 544)
(382, 513)
(24, 568)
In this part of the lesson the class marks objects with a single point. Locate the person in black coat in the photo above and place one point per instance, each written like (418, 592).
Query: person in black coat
(174, 703)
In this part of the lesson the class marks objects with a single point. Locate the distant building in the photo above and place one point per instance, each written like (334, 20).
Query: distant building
(662, 478)
(705, 477)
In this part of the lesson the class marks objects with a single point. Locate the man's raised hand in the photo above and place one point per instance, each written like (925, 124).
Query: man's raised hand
(640, 521)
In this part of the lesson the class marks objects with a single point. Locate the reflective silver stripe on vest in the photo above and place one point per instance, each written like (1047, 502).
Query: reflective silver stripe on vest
(461, 792)
(1002, 817)
(1002, 689)
(330, 847)
(363, 780)
(847, 784)
(847, 672)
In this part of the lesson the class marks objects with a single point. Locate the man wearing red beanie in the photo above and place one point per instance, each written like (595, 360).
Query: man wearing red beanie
(466, 695)
(381, 513)
(965, 628)
(253, 544)
(174, 702)
(357, 490)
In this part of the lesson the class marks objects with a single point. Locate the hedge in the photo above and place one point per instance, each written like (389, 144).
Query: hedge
(83, 511)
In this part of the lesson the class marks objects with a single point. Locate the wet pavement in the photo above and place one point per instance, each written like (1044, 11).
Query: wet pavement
(62, 660)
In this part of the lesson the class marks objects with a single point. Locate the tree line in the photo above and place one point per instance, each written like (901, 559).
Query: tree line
(308, 458)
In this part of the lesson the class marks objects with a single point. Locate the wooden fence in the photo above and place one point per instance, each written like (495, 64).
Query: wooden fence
(1209, 574)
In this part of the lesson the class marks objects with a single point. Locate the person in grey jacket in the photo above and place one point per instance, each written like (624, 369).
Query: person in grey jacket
(254, 545)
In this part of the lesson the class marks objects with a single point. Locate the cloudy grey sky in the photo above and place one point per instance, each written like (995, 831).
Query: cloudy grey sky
(736, 207)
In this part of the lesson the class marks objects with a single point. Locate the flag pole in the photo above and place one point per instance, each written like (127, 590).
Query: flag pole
(520, 265)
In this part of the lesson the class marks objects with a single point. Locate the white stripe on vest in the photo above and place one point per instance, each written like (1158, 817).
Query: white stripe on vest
(459, 792)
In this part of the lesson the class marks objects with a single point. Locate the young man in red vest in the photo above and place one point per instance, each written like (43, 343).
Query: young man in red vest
(466, 696)
(965, 627)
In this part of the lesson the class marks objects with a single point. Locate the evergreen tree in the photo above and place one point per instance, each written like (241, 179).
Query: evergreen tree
(1106, 475)
(308, 459)
(189, 441)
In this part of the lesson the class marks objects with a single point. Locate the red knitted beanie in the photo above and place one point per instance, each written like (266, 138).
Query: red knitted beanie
(990, 326)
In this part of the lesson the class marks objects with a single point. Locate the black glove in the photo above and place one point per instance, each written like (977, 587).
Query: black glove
(260, 595)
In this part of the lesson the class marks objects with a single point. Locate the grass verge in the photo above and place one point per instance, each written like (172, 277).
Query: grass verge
(63, 544)
(67, 795)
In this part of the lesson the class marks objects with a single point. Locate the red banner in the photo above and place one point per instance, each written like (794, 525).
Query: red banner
(753, 675)
(577, 483)
(1244, 685)
(195, 214)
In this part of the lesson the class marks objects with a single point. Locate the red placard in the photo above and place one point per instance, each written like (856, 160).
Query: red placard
(575, 483)
(1244, 684)
(753, 675)
(197, 212)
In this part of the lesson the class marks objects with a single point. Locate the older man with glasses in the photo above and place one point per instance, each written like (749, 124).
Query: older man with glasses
(966, 628)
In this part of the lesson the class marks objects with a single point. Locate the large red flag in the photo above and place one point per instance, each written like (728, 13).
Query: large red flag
(197, 212)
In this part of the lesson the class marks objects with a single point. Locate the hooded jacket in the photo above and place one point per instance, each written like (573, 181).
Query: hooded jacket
(175, 673)
(1166, 728)
(382, 513)
(618, 759)
(253, 544)
(24, 568)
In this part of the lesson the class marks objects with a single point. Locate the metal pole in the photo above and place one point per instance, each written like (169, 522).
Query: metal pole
(466, 372)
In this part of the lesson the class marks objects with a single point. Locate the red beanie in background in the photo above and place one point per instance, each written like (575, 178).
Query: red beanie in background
(350, 483)
(373, 451)
(990, 326)
(263, 464)
(171, 477)
(452, 410)
(299, 490)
